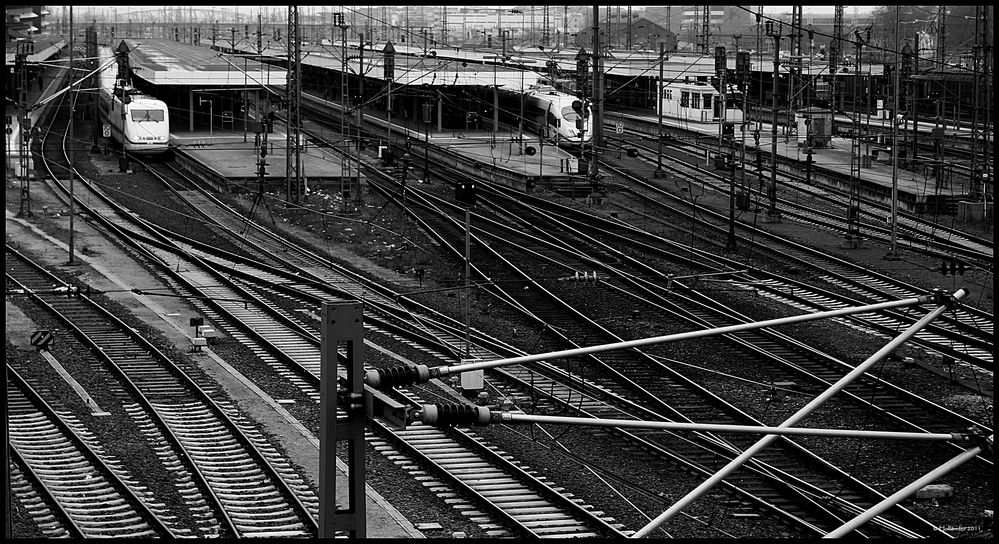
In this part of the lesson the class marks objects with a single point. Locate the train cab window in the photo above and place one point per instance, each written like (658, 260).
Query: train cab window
(554, 121)
(569, 114)
(707, 101)
(147, 116)
(696, 101)
(684, 99)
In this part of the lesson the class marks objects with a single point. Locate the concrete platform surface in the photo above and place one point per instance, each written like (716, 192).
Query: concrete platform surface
(225, 153)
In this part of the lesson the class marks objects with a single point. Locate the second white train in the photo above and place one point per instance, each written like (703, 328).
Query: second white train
(561, 118)
(699, 103)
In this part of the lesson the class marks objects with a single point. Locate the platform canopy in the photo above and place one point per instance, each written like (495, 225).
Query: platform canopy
(166, 62)
(44, 49)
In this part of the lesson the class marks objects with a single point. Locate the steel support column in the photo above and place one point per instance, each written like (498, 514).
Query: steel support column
(342, 325)
(293, 169)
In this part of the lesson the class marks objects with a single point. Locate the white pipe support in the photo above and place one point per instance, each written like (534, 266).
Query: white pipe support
(914, 301)
(901, 494)
(945, 302)
(511, 417)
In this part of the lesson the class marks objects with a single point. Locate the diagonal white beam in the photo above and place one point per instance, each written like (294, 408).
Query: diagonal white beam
(798, 416)
(901, 494)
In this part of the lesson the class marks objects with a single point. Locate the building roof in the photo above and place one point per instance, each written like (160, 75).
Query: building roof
(167, 62)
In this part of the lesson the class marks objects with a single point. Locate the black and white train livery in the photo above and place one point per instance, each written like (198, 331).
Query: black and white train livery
(140, 123)
(699, 103)
(559, 117)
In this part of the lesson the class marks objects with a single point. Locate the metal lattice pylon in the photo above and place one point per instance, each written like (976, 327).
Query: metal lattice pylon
(294, 98)
(546, 26)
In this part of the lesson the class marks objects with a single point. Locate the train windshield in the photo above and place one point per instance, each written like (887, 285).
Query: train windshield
(148, 116)
(569, 114)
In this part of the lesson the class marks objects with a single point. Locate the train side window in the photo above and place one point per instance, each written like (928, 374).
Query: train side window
(695, 101)
(684, 99)
(707, 101)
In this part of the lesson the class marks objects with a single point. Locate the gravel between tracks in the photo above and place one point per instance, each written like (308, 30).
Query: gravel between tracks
(392, 259)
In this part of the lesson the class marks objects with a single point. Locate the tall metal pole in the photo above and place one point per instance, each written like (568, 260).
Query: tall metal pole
(293, 169)
(24, 148)
(72, 140)
(721, 67)
(853, 237)
(835, 50)
(892, 252)
(773, 216)
(659, 105)
(468, 271)
(596, 104)
(360, 111)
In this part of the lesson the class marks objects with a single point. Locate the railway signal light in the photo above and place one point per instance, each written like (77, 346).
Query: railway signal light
(742, 66)
(956, 267)
(465, 193)
(721, 62)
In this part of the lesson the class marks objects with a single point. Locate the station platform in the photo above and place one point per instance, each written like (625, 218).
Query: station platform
(232, 157)
(916, 189)
(509, 152)
(44, 48)
(519, 161)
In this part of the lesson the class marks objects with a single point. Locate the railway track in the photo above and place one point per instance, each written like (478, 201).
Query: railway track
(622, 372)
(231, 468)
(281, 338)
(915, 233)
(964, 334)
(76, 490)
(282, 281)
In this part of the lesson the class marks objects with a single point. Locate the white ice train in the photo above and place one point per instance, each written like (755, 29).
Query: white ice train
(699, 103)
(558, 116)
(140, 123)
